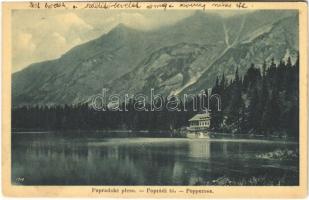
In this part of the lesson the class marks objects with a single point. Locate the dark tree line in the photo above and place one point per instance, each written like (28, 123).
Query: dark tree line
(263, 101)
(84, 117)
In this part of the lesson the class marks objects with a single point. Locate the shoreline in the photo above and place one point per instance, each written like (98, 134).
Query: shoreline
(215, 137)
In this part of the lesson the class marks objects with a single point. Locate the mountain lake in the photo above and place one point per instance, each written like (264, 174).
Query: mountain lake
(94, 159)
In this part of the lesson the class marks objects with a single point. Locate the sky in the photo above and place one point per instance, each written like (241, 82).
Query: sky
(44, 35)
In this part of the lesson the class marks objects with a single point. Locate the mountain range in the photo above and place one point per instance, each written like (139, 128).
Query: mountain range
(185, 57)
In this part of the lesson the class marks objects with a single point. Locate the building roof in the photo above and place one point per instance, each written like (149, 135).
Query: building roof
(200, 117)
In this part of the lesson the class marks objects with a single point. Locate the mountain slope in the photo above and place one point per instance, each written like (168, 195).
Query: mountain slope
(278, 42)
(184, 57)
(200, 71)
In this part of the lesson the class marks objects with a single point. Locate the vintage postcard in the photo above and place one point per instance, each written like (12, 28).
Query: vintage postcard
(154, 99)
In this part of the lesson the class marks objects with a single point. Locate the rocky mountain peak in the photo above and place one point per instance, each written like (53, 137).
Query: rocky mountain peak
(184, 57)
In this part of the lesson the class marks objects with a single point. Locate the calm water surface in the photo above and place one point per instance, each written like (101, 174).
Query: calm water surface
(56, 159)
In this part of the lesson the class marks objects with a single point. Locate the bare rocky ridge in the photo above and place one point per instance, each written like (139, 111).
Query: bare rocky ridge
(184, 57)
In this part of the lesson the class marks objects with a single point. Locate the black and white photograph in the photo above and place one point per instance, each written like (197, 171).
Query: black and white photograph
(154, 97)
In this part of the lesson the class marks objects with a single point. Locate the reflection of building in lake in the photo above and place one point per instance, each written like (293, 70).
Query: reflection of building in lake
(197, 151)
(224, 148)
(199, 148)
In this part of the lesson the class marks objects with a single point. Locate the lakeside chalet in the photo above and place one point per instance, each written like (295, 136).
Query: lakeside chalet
(199, 126)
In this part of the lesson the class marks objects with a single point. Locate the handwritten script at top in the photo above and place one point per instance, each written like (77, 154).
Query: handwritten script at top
(136, 5)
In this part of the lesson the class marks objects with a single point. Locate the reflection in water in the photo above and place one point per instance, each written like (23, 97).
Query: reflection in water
(224, 149)
(199, 148)
(58, 160)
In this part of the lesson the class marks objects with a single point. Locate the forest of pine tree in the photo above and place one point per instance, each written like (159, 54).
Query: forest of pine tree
(264, 101)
